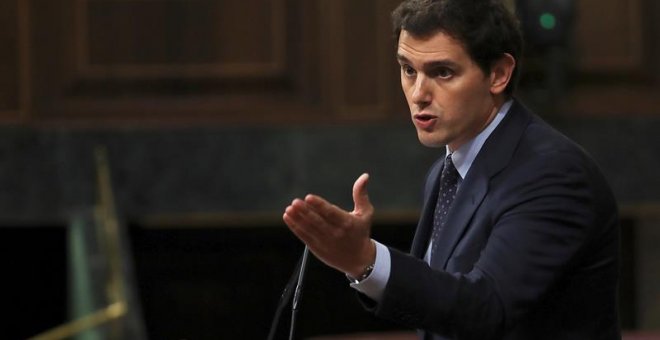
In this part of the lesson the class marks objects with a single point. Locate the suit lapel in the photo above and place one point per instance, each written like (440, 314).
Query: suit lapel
(492, 158)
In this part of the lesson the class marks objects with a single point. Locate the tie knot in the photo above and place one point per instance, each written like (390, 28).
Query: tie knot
(449, 172)
(448, 160)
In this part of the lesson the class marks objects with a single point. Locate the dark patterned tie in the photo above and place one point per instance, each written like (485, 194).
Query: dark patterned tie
(448, 186)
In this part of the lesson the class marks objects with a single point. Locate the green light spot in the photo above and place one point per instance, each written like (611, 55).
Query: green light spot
(548, 21)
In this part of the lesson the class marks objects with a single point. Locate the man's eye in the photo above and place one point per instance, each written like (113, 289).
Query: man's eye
(408, 71)
(443, 72)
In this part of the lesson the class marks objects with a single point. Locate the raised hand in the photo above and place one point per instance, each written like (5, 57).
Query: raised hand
(339, 238)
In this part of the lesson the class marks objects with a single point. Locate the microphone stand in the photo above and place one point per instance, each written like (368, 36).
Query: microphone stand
(298, 293)
(296, 280)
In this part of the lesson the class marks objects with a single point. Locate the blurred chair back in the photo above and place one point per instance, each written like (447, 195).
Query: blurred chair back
(103, 301)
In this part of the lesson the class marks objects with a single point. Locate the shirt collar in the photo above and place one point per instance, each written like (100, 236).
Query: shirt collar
(465, 155)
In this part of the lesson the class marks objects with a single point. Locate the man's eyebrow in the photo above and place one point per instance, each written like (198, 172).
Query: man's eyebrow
(439, 63)
(428, 65)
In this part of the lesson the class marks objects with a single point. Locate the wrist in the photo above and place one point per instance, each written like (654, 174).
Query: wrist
(363, 271)
(365, 274)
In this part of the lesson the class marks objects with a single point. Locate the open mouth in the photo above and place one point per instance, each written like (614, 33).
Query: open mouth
(424, 117)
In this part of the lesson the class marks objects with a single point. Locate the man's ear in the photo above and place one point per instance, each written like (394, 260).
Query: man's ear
(501, 72)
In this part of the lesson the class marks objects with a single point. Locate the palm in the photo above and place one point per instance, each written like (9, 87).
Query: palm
(339, 238)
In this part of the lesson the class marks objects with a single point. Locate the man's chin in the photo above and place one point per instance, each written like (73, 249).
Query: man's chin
(430, 141)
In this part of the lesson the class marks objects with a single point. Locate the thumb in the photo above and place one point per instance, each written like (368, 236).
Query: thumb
(361, 195)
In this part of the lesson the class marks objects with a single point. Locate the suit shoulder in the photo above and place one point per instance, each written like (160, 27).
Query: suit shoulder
(543, 142)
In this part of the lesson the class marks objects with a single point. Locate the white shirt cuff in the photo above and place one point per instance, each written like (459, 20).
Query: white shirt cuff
(373, 285)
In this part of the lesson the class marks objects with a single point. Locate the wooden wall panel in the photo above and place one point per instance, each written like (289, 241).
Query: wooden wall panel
(9, 59)
(609, 35)
(183, 39)
(615, 59)
(359, 54)
(608, 69)
(253, 61)
(263, 61)
(160, 60)
(370, 68)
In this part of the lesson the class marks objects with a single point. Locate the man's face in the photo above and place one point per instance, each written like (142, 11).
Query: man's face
(448, 94)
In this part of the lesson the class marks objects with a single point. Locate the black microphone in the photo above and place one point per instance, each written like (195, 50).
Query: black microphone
(296, 281)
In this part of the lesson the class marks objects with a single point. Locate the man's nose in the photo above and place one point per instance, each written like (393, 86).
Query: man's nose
(421, 92)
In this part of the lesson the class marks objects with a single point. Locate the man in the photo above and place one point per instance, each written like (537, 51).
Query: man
(518, 237)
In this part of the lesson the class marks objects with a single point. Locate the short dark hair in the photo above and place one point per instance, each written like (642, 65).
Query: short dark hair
(486, 28)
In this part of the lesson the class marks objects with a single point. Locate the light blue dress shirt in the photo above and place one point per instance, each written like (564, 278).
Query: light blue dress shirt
(374, 285)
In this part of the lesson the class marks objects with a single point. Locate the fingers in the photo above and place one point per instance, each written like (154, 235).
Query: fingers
(361, 195)
(307, 215)
(315, 215)
(329, 212)
(297, 218)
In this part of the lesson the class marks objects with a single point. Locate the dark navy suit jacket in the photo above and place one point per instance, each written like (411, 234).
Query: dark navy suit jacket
(530, 248)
